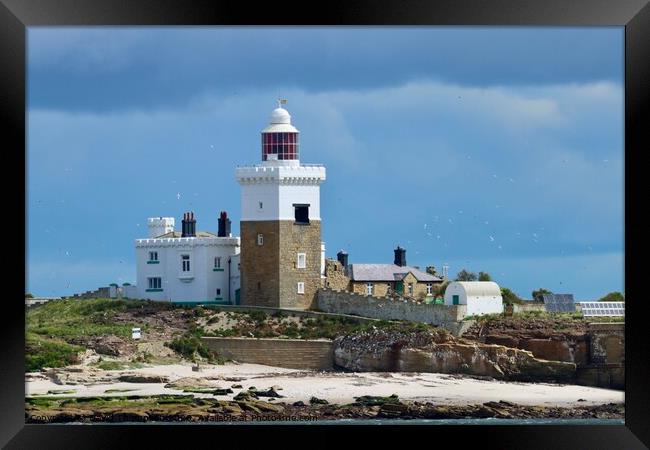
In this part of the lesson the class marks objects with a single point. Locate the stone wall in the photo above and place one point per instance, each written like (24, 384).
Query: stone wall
(102, 292)
(380, 289)
(296, 239)
(607, 343)
(290, 312)
(269, 272)
(608, 376)
(383, 308)
(383, 288)
(260, 263)
(529, 307)
(335, 277)
(289, 353)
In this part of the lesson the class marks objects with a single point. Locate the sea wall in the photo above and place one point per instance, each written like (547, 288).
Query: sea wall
(289, 353)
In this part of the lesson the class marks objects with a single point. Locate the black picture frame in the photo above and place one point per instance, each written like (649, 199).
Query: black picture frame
(634, 15)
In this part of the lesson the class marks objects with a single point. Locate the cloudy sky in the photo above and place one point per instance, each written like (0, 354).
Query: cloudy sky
(490, 149)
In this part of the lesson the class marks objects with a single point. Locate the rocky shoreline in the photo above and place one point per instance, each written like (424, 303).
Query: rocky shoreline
(186, 408)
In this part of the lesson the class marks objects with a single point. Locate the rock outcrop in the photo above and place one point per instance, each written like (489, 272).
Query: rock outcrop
(425, 351)
(556, 338)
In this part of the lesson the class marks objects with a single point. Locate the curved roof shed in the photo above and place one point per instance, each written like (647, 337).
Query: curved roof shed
(481, 297)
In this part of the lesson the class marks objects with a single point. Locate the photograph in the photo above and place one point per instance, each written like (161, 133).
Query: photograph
(360, 225)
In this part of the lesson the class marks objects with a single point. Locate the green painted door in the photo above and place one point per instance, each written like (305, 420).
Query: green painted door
(237, 297)
(399, 287)
(454, 299)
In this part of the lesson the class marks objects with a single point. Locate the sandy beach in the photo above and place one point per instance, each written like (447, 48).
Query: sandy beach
(340, 388)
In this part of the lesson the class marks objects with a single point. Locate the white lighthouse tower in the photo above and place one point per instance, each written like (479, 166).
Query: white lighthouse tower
(281, 246)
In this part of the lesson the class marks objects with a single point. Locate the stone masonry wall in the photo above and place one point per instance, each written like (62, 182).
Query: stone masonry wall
(607, 343)
(259, 263)
(296, 239)
(289, 353)
(383, 289)
(383, 308)
(380, 289)
(335, 277)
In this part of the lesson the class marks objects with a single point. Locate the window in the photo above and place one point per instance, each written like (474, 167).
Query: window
(217, 262)
(153, 256)
(155, 283)
(261, 205)
(302, 261)
(186, 262)
(369, 288)
(218, 292)
(260, 239)
(301, 213)
(429, 288)
(410, 288)
(301, 287)
(238, 266)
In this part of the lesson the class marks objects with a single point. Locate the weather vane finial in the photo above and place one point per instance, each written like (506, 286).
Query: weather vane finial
(281, 101)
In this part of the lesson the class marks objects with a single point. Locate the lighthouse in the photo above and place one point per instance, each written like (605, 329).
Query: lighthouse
(281, 248)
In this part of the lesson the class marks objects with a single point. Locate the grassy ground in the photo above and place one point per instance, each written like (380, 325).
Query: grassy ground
(260, 324)
(74, 318)
(46, 352)
(51, 328)
(567, 318)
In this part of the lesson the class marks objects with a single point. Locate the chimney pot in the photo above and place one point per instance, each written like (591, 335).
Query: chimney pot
(400, 257)
(342, 257)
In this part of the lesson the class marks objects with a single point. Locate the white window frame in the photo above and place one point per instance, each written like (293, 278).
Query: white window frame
(301, 287)
(217, 262)
(303, 257)
(429, 288)
(260, 239)
(410, 288)
(153, 284)
(370, 288)
(186, 268)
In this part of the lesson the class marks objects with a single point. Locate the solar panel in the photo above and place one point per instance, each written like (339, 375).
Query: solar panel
(610, 309)
(559, 302)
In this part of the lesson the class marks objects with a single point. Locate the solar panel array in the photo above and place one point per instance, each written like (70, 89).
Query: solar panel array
(559, 302)
(616, 309)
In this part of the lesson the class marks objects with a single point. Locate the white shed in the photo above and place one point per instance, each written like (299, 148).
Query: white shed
(481, 297)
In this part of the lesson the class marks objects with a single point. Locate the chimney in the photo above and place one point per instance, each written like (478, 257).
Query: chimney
(342, 257)
(224, 225)
(192, 225)
(400, 257)
(184, 232)
(188, 225)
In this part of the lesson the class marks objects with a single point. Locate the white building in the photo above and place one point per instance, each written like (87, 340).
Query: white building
(481, 297)
(188, 266)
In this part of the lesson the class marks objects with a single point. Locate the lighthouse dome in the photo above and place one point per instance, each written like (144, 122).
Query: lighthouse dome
(280, 115)
(280, 122)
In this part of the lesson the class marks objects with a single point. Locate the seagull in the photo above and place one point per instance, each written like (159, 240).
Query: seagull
(178, 196)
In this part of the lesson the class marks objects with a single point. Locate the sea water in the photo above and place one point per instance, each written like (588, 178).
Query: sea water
(486, 421)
